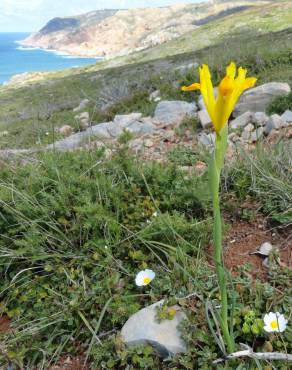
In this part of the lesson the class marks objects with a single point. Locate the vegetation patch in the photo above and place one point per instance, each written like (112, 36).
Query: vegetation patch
(75, 230)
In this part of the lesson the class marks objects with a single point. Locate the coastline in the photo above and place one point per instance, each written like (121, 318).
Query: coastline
(62, 53)
(20, 63)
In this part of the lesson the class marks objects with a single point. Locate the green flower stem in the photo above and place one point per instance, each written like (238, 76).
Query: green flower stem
(215, 167)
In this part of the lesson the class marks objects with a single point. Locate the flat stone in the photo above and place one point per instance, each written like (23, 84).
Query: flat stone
(121, 122)
(122, 119)
(260, 118)
(174, 112)
(275, 122)
(287, 116)
(77, 140)
(143, 328)
(258, 98)
(241, 121)
(140, 128)
(204, 119)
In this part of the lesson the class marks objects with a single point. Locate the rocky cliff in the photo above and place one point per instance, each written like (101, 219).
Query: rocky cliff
(111, 33)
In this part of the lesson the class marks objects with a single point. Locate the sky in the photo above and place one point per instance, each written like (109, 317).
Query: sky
(31, 15)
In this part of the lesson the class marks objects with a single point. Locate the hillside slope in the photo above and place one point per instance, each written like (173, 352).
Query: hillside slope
(91, 34)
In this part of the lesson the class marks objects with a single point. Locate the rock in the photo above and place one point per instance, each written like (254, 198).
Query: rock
(249, 128)
(207, 140)
(234, 138)
(260, 118)
(204, 119)
(257, 134)
(100, 131)
(83, 119)
(287, 116)
(241, 121)
(246, 135)
(77, 140)
(143, 328)
(83, 104)
(141, 127)
(265, 249)
(169, 135)
(155, 96)
(258, 98)
(127, 119)
(121, 122)
(66, 130)
(174, 112)
(275, 122)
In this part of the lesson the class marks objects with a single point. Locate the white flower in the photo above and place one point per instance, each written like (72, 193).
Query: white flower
(144, 277)
(155, 214)
(275, 322)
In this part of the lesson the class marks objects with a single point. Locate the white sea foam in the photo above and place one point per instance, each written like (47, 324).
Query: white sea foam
(26, 48)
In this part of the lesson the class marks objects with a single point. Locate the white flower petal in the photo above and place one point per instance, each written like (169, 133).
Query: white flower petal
(142, 275)
(266, 319)
(268, 329)
(271, 318)
(150, 274)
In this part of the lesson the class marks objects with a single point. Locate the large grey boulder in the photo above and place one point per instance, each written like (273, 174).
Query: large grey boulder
(258, 98)
(143, 328)
(174, 112)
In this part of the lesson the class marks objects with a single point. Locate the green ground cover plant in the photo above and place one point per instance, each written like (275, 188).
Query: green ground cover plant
(76, 228)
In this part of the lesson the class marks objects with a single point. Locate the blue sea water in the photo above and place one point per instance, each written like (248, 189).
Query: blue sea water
(15, 59)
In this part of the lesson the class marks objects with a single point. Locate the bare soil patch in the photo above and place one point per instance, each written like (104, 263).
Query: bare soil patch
(246, 237)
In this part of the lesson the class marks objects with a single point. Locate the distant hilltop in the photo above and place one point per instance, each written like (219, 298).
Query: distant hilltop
(110, 33)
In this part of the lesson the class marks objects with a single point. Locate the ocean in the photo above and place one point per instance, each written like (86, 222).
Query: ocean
(15, 59)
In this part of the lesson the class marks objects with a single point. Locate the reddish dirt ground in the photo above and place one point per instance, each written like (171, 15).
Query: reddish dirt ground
(76, 363)
(4, 324)
(245, 238)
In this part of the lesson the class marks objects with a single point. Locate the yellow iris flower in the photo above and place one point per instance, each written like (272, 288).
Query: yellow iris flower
(229, 91)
